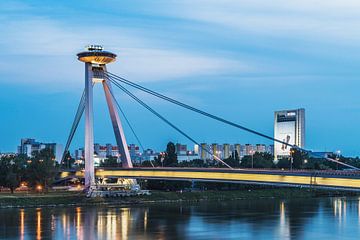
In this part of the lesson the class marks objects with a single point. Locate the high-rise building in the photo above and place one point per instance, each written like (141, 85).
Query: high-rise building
(249, 149)
(289, 127)
(105, 151)
(226, 151)
(134, 152)
(237, 148)
(270, 149)
(149, 155)
(214, 149)
(181, 149)
(260, 148)
(101, 152)
(203, 153)
(196, 149)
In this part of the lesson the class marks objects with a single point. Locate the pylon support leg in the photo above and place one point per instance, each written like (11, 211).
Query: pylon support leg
(117, 127)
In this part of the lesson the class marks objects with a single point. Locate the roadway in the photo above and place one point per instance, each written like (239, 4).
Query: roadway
(346, 180)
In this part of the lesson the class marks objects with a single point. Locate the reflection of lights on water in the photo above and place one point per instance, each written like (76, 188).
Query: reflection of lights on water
(282, 212)
(22, 223)
(337, 207)
(344, 210)
(146, 219)
(283, 228)
(340, 208)
(78, 223)
(125, 218)
(38, 223)
(52, 222)
(66, 228)
(359, 210)
(111, 225)
(100, 225)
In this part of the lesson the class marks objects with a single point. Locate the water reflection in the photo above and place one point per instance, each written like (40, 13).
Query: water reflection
(22, 223)
(78, 224)
(283, 225)
(38, 224)
(340, 209)
(263, 218)
(359, 211)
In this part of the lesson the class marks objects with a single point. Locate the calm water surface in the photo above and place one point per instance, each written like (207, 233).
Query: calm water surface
(325, 218)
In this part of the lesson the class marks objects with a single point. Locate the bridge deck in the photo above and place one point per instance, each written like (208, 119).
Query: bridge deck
(332, 179)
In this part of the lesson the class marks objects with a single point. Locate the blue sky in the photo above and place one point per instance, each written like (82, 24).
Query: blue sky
(238, 59)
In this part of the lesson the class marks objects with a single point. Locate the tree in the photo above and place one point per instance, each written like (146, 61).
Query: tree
(146, 163)
(283, 163)
(236, 156)
(12, 171)
(41, 169)
(68, 160)
(170, 158)
(193, 163)
(259, 160)
(231, 161)
(298, 157)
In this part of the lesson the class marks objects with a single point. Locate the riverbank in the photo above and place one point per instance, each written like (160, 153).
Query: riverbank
(59, 199)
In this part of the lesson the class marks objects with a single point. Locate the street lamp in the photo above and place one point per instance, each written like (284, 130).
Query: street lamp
(39, 188)
(291, 159)
(252, 158)
(162, 159)
(338, 154)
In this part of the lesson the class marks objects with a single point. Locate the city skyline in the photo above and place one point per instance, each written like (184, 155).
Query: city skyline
(158, 119)
(245, 73)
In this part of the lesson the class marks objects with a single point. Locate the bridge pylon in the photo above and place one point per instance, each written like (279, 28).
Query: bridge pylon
(96, 59)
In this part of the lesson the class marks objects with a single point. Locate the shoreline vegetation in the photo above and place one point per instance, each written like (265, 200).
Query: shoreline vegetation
(61, 199)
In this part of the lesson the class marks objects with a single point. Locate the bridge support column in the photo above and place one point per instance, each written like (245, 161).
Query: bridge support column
(89, 127)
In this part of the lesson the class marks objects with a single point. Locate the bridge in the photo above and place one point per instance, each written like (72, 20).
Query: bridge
(298, 178)
(95, 60)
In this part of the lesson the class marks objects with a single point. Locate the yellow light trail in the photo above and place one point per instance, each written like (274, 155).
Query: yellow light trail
(213, 175)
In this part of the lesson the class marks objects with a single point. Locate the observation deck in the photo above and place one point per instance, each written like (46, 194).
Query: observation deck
(96, 55)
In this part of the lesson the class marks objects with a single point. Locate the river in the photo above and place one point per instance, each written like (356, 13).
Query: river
(314, 218)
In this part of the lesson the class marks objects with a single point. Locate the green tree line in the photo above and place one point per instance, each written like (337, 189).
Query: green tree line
(37, 171)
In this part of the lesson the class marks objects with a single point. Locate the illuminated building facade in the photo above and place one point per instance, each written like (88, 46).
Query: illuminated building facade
(289, 127)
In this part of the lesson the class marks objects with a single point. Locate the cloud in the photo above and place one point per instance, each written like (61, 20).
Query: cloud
(13, 6)
(326, 21)
(45, 48)
(45, 51)
(161, 64)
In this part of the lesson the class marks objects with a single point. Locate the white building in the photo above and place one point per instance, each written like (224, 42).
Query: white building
(260, 148)
(249, 149)
(102, 152)
(28, 146)
(289, 127)
(189, 156)
(226, 151)
(181, 149)
(204, 155)
(149, 155)
(196, 149)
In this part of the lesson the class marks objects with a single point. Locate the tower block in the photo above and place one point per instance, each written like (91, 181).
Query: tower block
(96, 59)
